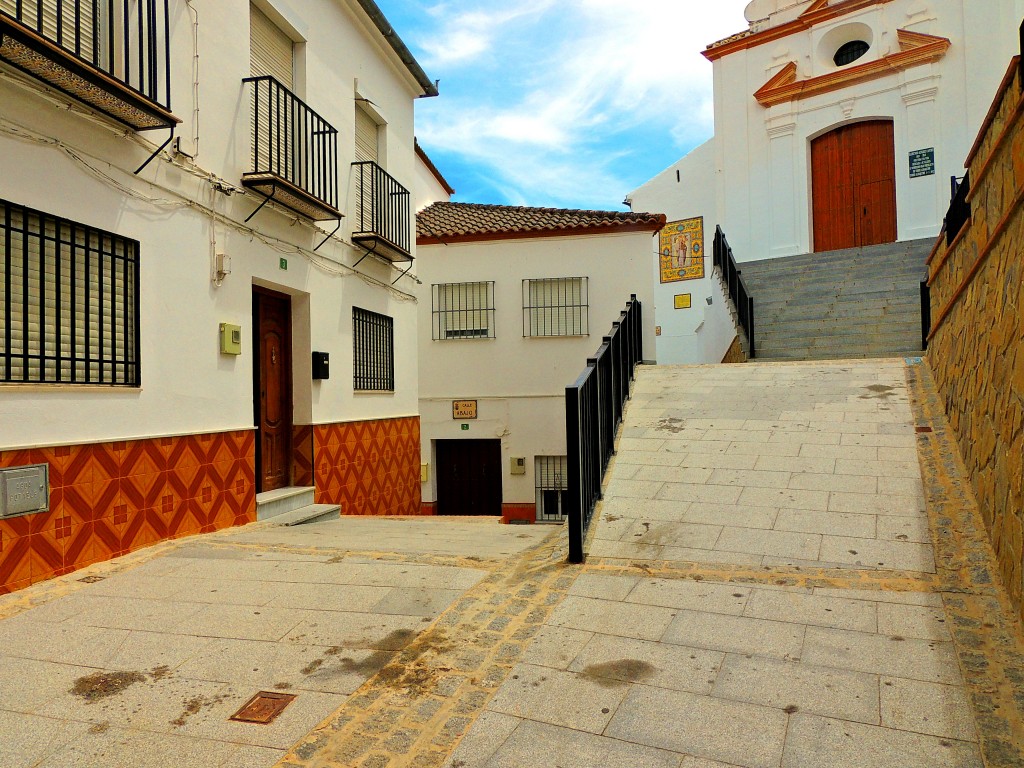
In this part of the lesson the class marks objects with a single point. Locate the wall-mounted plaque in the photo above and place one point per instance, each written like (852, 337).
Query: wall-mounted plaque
(922, 162)
(463, 409)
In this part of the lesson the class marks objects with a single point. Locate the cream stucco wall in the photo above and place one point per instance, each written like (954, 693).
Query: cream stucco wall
(187, 385)
(519, 382)
(703, 332)
(427, 189)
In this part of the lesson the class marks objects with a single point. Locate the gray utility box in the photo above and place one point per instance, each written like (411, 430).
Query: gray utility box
(24, 490)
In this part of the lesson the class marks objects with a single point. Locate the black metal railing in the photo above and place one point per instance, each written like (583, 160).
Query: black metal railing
(125, 39)
(743, 302)
(926, 313)
(959, 209)
(593, 412)
(383, 206)
(292, 142)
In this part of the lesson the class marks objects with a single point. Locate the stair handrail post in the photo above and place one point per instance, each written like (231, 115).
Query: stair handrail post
(750, 330)
(574, 465)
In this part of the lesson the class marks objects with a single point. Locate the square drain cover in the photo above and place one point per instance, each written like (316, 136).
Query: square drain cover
(263, 708)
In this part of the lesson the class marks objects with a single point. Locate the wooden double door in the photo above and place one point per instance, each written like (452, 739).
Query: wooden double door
(468, 477)
(853, 180)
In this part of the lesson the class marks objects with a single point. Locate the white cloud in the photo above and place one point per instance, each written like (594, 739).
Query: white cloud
(561, 87)
(465, 35)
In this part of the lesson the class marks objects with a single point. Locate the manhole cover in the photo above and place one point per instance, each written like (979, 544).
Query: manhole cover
(263, 708)
(91, 579)
(920, 430)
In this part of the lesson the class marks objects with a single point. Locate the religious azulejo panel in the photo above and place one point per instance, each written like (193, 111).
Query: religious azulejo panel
(682, 250)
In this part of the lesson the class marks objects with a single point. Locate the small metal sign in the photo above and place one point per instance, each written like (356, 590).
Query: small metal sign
(463, 409)
(683, 300)
(922, 162)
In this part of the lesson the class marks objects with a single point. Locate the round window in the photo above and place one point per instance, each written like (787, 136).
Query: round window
(850, 52)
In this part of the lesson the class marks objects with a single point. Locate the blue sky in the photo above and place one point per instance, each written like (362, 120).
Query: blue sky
(567, 103)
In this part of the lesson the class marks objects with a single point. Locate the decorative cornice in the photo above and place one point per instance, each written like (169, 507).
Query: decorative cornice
(816, 13)
(915, 48)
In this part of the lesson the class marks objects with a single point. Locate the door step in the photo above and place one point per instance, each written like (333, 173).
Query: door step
(314, 513)
(273, 503)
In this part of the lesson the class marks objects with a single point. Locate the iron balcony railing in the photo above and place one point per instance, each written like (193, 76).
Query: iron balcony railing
(383, 212)
(294, 151)
(743, 302)
(593, 412)
(94, 50)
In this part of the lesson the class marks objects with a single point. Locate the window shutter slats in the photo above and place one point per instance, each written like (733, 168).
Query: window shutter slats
(270, 49)
(366, 137)
(69, 299)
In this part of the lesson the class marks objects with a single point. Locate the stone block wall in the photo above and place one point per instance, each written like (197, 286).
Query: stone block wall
(976, 347)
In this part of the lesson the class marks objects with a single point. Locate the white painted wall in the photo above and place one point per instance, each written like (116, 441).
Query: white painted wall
(187, 386)
(702, 333)
(427, 190)
(519, 382)
(753, 178)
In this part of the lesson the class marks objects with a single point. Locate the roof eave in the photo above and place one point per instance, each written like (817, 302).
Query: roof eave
(408, 60)
(477, 237)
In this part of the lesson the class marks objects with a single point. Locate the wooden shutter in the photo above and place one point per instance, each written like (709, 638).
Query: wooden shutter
(270, 49)
(366, 136)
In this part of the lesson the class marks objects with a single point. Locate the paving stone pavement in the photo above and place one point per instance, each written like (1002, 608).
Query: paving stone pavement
(769, 584)
(764, 588)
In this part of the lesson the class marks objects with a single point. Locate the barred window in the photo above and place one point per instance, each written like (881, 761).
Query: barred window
(551, 483)
(373, 341)
(556, 306)
(463, 310)
(850, 52)
(69, 307)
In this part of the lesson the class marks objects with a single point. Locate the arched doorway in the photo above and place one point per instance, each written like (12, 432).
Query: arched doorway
(853, 186)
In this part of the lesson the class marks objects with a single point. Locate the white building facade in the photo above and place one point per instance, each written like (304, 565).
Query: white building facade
(837, 124)
(513, 301)
(163, 304)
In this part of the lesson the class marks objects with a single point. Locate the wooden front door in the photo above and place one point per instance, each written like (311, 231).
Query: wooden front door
(469, 477)
(272, 314)
(853, 186)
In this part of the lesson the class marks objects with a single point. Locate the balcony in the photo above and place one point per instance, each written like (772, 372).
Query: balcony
(383, 223)
(294, 152)
(109, 54)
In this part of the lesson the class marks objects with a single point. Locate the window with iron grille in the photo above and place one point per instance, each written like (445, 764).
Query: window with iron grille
(69, 303)
(556, 306)
(373, 340)
(551, 483)
(463, 310)
(850, 52)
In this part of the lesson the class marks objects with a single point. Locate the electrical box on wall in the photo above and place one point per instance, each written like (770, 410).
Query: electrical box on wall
(424, 473)
(24, 490)
(321, 365)
(518, 465)
(230, 339)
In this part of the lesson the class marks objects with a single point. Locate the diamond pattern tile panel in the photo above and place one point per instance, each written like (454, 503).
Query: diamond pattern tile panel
(108, 499)
(369, 467)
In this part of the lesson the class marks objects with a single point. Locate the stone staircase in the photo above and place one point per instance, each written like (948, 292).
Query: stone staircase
(293, 506)
(854, 303)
